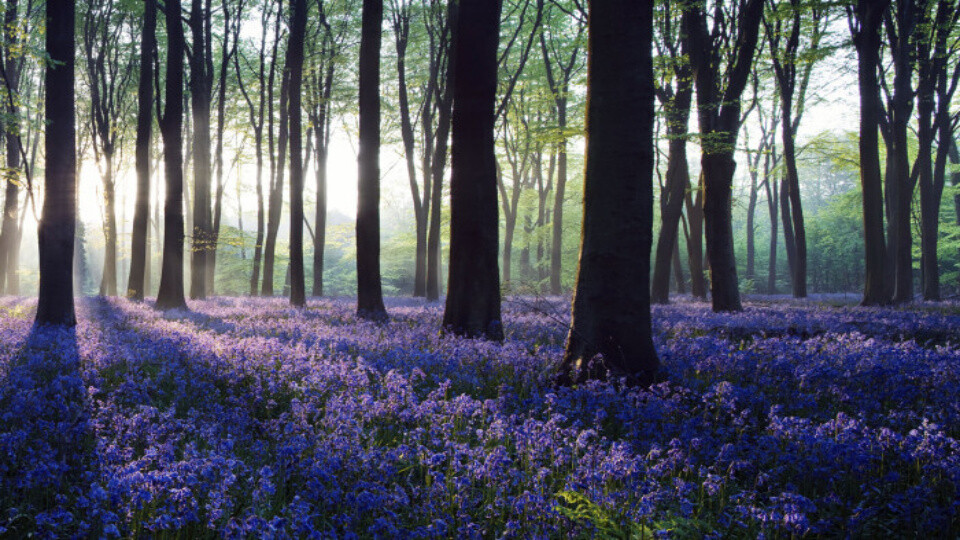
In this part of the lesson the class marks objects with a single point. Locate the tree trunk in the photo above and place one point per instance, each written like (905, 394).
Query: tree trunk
(672, 198)
(773, 198)
(58, 221)
(108, 282)
(369, 291)
(473, 297)
(718, 169)
(298, 30)
(869, 14)
(611, 305)
(694, 206)
(436, 197)
(200, 105)
(139, 267)
(9, 230)
(170, 295)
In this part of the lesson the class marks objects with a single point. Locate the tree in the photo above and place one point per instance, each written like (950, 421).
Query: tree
(141, 213)
(443, 61)
(901, 26)
(721, 57)
(278, 159)
(865, 19)
(562, 61)
(298, 30)
(675, 93)
(171, 291)
(58, 221)
(473, 298)
(201, 83)
(792, 66)
(935, 88)
(108, 70)
(256, 112)
(611, 304)
(369, 291)
(10, 230)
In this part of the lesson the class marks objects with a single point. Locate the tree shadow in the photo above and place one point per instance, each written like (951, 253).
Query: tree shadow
(47, 444)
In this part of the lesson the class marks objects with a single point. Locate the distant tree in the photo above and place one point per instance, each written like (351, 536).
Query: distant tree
(561, 44)
(721, 56)
(278, 158)
(901, 23)
(937, 83)
(298, 31)
(256, 110)
(108, 73)
(675, 92)
(473, 297)
(13, 67)
(865, 19)
(58, 221)
(792, 67)
(611, 303)
(440, 28)
(141, 212)
(171, 293)
(369, 289)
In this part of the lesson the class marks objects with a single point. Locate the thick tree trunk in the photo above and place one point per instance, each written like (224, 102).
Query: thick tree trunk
(369, 289)
(139, 250)
(171, 291)
(611, 305)
(869, 14)
(298, 30)
(58, 221)
(473, 297)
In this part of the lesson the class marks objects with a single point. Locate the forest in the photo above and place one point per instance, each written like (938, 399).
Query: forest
(480, 269)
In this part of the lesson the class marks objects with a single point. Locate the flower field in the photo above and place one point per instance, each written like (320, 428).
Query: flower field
(246, 418)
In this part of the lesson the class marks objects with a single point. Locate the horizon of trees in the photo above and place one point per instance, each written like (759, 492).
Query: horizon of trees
(861, 210)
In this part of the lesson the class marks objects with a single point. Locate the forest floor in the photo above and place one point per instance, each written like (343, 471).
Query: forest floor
(246, 418)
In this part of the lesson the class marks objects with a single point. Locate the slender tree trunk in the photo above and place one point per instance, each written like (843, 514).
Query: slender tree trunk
(773, 197)
(678, 269)
(171, 291)
(671, 202)
(139, 246)
(473, 297)
(108, 282)
(369, 291)
(611, 305)
(694, 207)
(556, 230)
(298, 30)
(276, 192)
(439, 166)
(200, 105)
(58, 221)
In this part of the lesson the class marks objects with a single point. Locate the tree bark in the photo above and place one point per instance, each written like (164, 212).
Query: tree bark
(298, 30)
(473, 297)
(200, 105)
(720, 77)
(866, 18)
(170, 295)
(611, 304)
(58, 221)
(9, 230)
(139, 269)
(369, 289)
